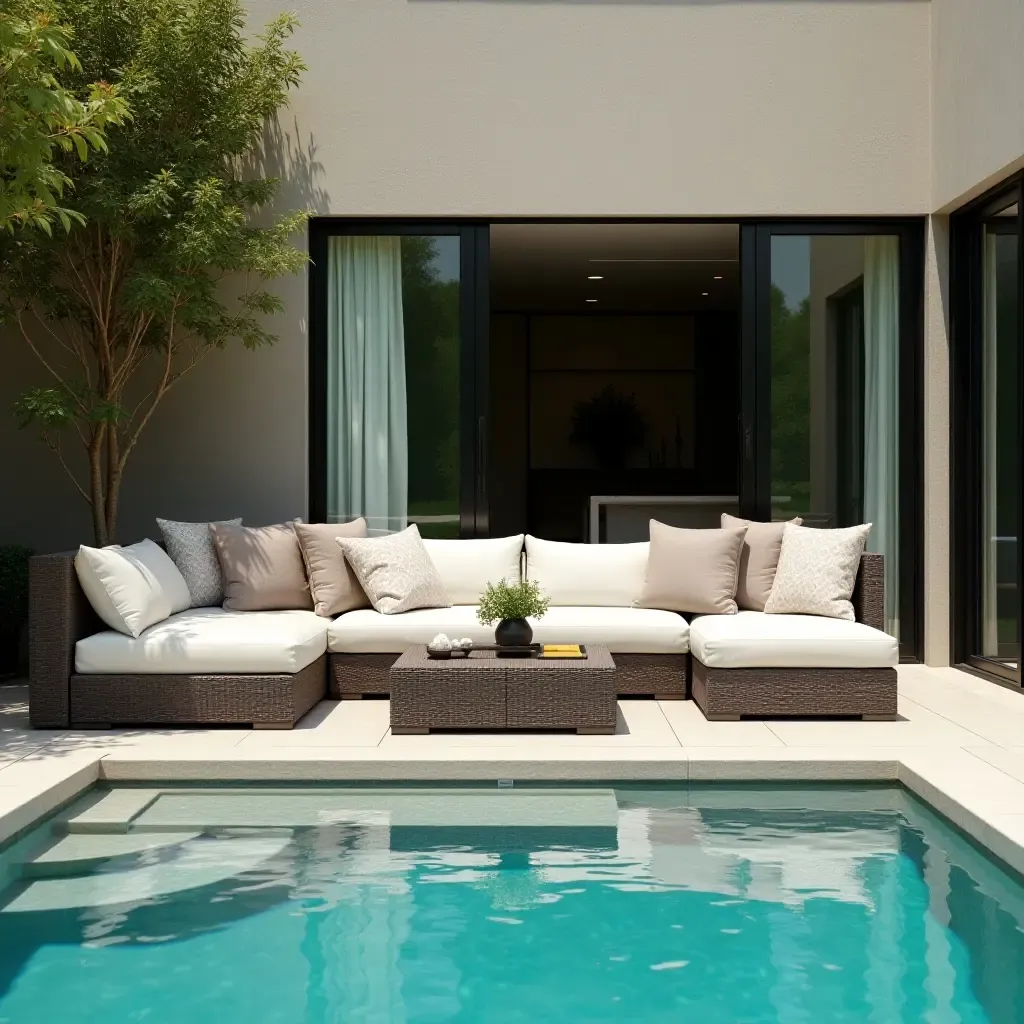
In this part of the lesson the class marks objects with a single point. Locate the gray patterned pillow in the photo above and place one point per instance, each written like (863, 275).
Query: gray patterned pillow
(191, 549)
(817, 571)
(395, 571)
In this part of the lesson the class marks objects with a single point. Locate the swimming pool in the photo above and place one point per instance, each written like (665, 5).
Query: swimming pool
(712, 904)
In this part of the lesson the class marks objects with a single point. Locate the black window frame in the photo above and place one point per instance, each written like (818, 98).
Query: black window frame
(757, 339)
(755, 375)
(474, 322)
(966, 232)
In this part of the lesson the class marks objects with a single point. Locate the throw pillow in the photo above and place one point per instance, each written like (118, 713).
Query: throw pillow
(395, 571)
(131, 588)
(333, 584)
(262, 567)
(817, 571)
(692, 570)
(467, 566)
(191, 549)
(759, 558)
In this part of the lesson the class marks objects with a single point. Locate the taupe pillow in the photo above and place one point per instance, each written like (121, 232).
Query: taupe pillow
(818, 571)
(262, 567)
(332, 582)
(395, 571)
(759, 558)
(692, 570)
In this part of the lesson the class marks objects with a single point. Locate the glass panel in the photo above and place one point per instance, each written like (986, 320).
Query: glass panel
(393, 382)
(835, 388)
(999, 637)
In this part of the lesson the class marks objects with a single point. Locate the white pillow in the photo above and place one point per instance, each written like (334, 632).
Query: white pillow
(817, 571)
(595, 575)
(467, 566)
(131, 588)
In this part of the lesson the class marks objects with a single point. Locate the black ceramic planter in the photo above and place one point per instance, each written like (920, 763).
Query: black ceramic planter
(513, 633)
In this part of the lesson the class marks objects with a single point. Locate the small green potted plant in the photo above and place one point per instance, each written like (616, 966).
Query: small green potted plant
(509, 604)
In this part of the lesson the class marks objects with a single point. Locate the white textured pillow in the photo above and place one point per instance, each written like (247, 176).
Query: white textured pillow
(817, 571)
(467, 566)
(131, 588)
(395, 571)
(595, 575)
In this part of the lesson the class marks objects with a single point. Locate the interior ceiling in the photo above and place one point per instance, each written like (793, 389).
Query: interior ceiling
(546, 267)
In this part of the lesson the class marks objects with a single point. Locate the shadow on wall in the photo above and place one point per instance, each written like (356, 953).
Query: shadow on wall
(283, 155)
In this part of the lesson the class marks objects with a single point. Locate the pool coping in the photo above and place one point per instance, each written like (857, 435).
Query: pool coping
(979, 798)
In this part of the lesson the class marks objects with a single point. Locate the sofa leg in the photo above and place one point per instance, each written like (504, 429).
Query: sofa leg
(879, 718)
(408, 730)
(603, 730)
(272, 725)
(670, 696)
(721, 718)
(351, 696)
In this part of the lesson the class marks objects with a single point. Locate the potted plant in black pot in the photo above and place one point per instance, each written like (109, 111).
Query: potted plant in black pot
(509, 604)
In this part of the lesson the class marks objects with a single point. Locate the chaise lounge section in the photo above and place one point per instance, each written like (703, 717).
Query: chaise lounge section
(753, 664)
(206, 666)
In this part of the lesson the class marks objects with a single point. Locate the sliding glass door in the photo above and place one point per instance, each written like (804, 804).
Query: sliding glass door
(833, 357)
(987, 407)
(396, 412)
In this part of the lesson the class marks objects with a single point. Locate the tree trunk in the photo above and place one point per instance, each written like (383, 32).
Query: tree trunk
(97, 488)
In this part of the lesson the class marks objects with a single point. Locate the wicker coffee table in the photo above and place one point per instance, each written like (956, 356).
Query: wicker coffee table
(487, 692)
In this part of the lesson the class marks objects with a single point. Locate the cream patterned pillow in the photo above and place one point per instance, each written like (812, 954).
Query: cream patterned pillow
(817, 571)
(395, 571)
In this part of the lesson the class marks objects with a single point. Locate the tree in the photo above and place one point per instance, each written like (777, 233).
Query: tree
(39, 117)
(170, 263)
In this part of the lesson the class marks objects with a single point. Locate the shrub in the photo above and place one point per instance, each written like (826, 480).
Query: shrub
(504, 600)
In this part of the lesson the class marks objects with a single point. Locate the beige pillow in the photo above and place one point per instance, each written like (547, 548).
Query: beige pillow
(759, 558)
(332, 582)
(395, 571)
(262, 567)
(817, 571)
(692, 570)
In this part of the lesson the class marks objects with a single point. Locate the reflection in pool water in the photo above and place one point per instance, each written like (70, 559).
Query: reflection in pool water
(784, 904)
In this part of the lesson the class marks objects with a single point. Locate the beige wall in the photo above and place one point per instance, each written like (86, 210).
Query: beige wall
(977, 96)
(558, 108)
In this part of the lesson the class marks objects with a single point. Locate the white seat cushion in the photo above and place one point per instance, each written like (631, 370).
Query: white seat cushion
(621, 630)
(210, 640)
(757, 640)
(365, 631)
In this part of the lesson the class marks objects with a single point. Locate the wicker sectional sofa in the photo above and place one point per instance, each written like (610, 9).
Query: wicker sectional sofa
(267, 669)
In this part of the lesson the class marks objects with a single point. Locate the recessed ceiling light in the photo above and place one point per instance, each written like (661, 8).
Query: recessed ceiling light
(703, 293)
(596, 277)
(718, 277)
(591, 300)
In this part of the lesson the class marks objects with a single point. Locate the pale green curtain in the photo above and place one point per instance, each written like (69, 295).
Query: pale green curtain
(989, 442)
(881, 411)
(367, 430)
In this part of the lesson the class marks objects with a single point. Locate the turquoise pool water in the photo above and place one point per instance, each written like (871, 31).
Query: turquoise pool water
(590, 905)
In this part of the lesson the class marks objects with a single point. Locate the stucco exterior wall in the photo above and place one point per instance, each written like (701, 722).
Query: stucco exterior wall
(977, 96)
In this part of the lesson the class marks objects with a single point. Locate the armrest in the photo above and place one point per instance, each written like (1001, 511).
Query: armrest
(869, 591)
(59, 615)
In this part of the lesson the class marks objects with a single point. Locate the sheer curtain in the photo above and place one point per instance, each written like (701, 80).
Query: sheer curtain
(881, 411)
(367, 431)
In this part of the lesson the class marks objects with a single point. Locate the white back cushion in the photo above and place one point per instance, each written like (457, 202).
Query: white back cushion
(131, 588)
(467, 566)
(595, 575)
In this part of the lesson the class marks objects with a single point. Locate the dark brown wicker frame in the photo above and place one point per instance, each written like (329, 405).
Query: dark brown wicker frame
(60, 616)
(728, 694)
(665, 676)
